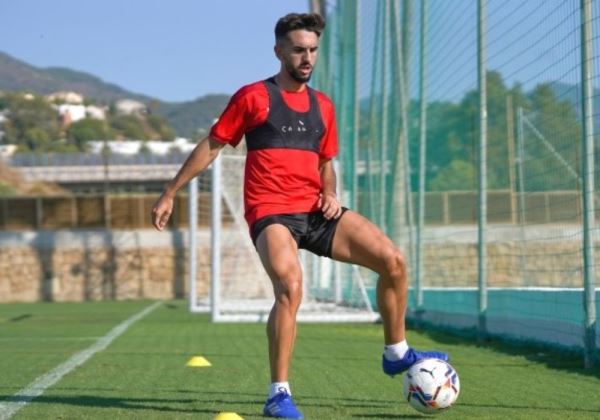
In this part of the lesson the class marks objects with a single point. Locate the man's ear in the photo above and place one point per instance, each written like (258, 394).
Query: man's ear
(277, 50)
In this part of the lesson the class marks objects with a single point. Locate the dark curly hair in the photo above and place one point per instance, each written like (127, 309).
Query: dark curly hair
(312, 22)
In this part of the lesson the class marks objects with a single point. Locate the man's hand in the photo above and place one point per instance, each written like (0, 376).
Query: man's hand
(162, 211)
(330, 206)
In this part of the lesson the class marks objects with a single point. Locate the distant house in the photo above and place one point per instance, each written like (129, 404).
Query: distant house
(96, 112)
(65, 97)
(7, 150)
(2, 121)
(132, 147)
(70, 113)
(130, 107)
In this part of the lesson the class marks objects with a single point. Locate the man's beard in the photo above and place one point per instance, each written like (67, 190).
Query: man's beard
(295, 74)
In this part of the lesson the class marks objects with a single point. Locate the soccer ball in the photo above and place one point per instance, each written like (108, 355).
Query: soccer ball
(431, 386)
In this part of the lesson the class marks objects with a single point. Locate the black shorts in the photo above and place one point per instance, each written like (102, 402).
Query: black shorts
(311, 231)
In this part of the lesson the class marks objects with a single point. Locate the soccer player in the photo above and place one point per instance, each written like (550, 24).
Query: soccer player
(291, 202)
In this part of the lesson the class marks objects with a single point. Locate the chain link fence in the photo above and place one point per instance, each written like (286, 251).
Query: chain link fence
(483, 112)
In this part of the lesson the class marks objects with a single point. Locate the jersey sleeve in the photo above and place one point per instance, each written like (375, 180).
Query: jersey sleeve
(239, 116)
(329, 141)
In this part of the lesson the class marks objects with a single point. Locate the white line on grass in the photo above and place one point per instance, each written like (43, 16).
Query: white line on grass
(37, 387)
(16, 337)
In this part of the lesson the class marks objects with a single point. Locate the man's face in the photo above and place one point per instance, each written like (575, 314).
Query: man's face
(298, 54)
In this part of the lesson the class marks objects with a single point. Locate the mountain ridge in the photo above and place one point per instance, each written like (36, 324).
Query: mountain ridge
(187, 118)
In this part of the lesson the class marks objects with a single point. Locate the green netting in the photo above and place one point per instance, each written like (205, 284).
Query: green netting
(404, 77)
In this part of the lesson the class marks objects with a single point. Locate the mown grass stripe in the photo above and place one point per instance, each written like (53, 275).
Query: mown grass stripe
(36, 388)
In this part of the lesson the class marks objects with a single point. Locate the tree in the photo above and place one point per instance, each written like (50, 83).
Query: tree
(129, 127)
(87, 129)
(32, 123)
(160, 127)
(459, 175)
(550, 163)
(36, 138)
(453, 139)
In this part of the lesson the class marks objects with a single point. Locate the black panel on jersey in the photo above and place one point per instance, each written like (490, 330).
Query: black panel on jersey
(286, 128)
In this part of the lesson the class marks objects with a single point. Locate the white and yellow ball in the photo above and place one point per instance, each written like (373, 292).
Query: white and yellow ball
(431, 386)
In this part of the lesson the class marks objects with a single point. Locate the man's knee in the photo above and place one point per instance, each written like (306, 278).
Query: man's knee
(288, 283)
(289, 292)
(394, 263)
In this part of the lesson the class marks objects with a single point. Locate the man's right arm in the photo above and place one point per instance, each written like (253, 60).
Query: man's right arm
(203, 154)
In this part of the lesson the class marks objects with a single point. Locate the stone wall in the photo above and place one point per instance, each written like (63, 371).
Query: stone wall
(556, 264)
(534, 256)
(135, 264)
(97, 265)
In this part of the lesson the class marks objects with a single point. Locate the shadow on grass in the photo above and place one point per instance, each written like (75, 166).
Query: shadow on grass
(574, 410)
(354, 407)
(388, 416)
(553, 357)
(20, 318)
(104, 402)
(164, 405)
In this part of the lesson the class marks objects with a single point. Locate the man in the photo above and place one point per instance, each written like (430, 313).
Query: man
(290, 201)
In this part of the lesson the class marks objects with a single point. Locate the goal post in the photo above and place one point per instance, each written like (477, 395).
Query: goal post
(238, 289)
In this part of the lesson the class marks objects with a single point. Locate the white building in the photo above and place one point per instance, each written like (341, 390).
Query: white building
(7, 150)
(96, 112)
(66, 97)
(129, 107)
(132, 147)
(70, 112)
(2, 120)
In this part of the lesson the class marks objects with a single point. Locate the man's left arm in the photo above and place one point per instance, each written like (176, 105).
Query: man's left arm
(328, 202)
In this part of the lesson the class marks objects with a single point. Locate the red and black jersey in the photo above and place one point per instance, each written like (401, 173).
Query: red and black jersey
(286, 135)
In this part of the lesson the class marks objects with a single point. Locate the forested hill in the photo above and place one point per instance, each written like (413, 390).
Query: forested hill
(186, 118)
(16, 75)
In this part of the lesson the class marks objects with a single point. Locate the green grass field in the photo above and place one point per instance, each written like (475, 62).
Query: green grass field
(336, 372)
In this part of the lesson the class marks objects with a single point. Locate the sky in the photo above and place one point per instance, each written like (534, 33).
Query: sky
(178, 50)
(174, 50)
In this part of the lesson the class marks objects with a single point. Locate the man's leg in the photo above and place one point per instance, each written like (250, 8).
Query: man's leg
(279, 254)
(358, 241)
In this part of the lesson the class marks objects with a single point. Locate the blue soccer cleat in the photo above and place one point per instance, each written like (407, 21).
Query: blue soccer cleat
(282, 406)
(410, 358)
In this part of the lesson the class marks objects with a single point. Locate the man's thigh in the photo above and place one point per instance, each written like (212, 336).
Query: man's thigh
(358, 241)
(278, 252)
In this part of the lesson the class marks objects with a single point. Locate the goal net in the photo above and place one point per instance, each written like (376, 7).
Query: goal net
(238, 288)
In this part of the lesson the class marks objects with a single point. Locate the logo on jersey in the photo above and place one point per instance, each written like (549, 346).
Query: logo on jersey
(289, 128)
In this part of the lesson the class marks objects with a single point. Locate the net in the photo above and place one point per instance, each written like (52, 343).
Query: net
(240, 290)
(486, 199)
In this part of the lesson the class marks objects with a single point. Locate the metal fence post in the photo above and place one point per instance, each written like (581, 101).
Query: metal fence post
(521, 188)
(215, 240)
(422, 157)
(193, 242)
(384, 149)
(587, 159)
(482, 184)
(356, 109)
(38, 213)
